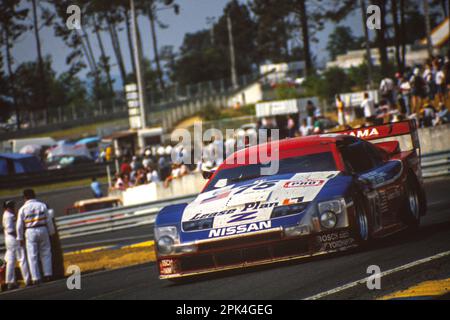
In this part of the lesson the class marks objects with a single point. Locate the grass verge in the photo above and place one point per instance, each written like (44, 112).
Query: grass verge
(110, 259)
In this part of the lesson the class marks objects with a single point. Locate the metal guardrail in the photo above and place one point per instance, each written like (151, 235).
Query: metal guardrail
(436, 164)
(113, 219)
(433, 165)
(108, 220)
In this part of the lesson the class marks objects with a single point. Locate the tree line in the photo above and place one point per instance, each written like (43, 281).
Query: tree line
(263, 31)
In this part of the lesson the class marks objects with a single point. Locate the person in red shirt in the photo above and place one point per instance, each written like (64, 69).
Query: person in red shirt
(125, 167)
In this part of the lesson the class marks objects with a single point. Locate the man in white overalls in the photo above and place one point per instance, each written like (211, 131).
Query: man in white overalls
(14, 251)
(36, 225)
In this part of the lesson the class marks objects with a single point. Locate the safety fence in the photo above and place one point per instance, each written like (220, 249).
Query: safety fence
(108, 220)
(436, 164)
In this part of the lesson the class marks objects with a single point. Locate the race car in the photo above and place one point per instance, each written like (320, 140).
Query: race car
(331, 193)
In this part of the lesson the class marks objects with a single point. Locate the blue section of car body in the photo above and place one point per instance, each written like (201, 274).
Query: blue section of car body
(339, 186)
(383, 173)
(171, 215)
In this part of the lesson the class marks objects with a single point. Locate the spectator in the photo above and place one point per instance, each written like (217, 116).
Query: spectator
(291, 127)
(429, 78)
(125, 167)
(96, 188)
(318, 126)
(429, 114)
(441, 86)
(152, 175)
(108, 153)
(305, 130)
(147, 161)
(340, 109)
(310, 111)
(443, 115)
(135, 164)
(417, 91)
(368, 106)
(405, 94)
(387, 87)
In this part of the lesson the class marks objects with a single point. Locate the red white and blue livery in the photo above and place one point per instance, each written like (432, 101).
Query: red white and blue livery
(331, 193)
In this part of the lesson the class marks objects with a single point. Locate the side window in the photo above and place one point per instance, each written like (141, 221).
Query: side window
(356, 157)
(374, 154)
(3, 167)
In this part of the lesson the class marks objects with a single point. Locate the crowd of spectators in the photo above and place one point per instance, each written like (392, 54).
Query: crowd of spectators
(419, 93)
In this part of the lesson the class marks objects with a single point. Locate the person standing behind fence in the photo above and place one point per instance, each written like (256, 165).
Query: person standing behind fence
(35, 225)
(14, 252)
(340, 109)
(310, 111)
(368, 106)
(417, 91)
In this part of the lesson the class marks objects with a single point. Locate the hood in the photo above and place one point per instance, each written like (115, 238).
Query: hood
(254, 200)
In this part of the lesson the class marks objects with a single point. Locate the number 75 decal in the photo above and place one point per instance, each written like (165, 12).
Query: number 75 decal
(257, 186)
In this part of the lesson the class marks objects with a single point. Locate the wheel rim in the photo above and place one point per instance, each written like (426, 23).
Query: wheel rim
(413, 200)
(363, 229)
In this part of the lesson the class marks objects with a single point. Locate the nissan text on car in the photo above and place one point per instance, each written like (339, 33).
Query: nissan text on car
(331, 193)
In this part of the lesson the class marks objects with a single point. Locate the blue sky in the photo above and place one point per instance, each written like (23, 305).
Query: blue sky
(192, 18)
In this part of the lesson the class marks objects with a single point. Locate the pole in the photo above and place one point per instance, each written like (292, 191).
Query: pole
(426, 10)
(367, 40)
(232, 56)
(138, 65)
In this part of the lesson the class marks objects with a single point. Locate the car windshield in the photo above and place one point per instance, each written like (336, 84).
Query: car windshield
(307, 163)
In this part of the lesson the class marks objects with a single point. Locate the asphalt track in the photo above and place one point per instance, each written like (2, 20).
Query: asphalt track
(297, 280)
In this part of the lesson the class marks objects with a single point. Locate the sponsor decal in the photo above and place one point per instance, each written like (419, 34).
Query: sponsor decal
(258, 205)
(241, 229)
(215, 197)
(364, 133)
(303, 183)
(334, 240)
(199, 216)
(287, 202)
(243, 216)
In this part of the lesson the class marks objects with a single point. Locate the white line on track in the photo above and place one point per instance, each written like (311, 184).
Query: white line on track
(385, 273)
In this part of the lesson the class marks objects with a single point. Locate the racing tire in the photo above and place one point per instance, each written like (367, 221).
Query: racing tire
(411, 213)
(362, 224)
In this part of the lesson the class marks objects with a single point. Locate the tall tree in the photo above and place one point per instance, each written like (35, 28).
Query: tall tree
(42, 97)
(397, 35)
(12, 26)
(273, 29)
(381, 41)
(342, 40)
(303, 17)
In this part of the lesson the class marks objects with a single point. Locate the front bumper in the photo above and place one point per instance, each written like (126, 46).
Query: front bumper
(254, 249)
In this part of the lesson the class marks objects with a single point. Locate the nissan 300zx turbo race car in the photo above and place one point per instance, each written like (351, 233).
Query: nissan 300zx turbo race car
(331, 193)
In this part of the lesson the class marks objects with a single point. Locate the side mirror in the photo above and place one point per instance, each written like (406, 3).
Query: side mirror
(207, 174)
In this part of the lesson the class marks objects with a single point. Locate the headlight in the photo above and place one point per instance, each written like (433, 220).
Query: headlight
(288, 210)
(328, 220)
(336, 206)
(165, 245)
(197, 225)
(165, 238)
(329, 212)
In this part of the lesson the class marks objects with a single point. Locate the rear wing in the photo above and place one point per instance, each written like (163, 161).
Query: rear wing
(404, 132)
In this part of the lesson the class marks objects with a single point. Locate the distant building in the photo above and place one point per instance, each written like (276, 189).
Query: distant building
(355, 58)
(283, 72)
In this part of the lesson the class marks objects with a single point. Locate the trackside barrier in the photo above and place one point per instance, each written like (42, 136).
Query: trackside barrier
(436, 164)
(433, 165)
(107, 220)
